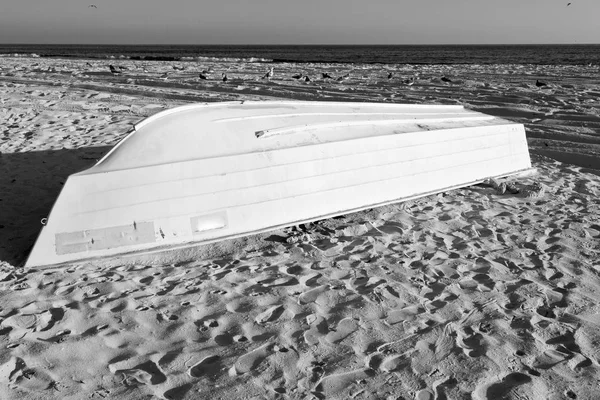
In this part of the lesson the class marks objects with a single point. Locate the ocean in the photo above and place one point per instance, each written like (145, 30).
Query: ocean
(576, 54)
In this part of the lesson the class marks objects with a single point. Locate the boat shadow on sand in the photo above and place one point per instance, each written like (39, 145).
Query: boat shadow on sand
(30, 182)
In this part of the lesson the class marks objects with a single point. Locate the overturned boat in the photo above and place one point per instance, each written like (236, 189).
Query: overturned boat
(207, 172)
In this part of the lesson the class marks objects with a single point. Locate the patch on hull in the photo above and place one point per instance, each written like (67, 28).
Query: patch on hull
(208, 222)
(105, 238)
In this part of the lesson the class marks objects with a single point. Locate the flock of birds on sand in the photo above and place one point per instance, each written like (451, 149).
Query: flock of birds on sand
(206, 75)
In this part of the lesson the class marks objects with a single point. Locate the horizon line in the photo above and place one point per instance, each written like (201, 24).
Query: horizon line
(296, 44)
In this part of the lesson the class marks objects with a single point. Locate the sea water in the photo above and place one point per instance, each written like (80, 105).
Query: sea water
(576, 54)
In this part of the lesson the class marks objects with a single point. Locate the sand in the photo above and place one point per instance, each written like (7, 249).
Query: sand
(478, 293)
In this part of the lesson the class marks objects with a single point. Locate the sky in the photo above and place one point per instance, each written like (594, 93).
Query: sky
(299, 21)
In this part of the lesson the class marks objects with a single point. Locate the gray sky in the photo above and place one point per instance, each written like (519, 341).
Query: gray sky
(300, 21)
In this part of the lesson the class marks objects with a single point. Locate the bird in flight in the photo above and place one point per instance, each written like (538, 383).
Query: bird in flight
(568, 4)
(94, 6)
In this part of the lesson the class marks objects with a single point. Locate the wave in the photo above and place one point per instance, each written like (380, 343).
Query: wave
(145, 57)
(227, 59)
(21, 55)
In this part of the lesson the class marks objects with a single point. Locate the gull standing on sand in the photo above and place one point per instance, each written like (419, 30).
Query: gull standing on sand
(224, 75)
(297, 76)
(540, 84)
(325, 75)
(390, 75)
(114, 70)
(447, 80)
(202, 76)
(269, 74)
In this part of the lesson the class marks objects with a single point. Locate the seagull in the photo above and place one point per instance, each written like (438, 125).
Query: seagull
(297, 76)
(88, 64)
(306, 78)
(568, 4)
(540, 84)
(390, 75)
(94, 6)
(113, 69)
(444, 79)
(122, 67)
(177, 68)
(325, 75)
(269, 74)
(343, 77)
(224, 77)
(202, 76)
(206, 71)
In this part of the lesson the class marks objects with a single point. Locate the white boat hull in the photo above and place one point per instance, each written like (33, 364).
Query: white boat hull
(203, 173)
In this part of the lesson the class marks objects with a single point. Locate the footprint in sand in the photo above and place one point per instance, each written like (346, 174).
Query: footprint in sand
(405, 314)
(397, 361)
(424, 394)
(269, 315)
(146, 373)
(250, 360)
(501, 388)
(550, 358)
(178, 392)
(344, 328)
(311, 279)
(470, 342)
(21, 323)
(15, 371)
(337, 383)
(207, 366)
(318, 328)
(60, 337)
(311, 295)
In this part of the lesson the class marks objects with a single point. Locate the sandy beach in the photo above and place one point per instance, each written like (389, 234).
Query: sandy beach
(470, 294)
